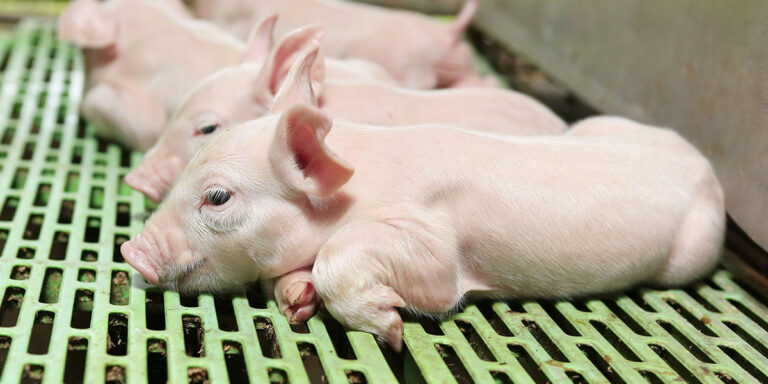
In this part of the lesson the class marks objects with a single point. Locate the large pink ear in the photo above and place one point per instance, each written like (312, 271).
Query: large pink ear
(284, 56)
(87, 24)
(261, 41)
(302, 81)
(299, 156)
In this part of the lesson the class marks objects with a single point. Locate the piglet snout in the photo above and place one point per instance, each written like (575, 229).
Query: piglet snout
(155, 175)
(140, 182)
(138, 258)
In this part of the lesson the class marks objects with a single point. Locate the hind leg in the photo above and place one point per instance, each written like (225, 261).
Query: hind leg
(699, 241)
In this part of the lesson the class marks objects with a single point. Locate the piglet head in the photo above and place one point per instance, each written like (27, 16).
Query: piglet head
(244, 208)
(231, 96)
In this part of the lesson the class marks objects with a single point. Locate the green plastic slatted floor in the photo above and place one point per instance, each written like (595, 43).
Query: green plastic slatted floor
(15, 9)
(73, 311)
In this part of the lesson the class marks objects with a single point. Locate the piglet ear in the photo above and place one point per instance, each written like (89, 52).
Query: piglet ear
(302, 81)
(299, 157)
(284, 56)
(87, 24)
(261, 41)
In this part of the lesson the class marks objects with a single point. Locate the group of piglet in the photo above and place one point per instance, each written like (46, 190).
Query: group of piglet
(412, 198)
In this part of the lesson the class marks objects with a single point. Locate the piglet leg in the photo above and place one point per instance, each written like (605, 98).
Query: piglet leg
(369, 269)
(295, 295)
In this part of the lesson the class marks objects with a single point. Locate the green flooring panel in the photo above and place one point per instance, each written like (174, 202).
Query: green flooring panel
(12, 9)
(73, 311)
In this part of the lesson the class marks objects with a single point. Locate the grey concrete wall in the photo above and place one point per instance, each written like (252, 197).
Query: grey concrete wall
(700, 67)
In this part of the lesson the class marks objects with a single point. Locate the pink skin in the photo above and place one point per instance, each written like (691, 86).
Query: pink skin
(245, 92)
(295, 295)
(417, 50)
(132, 50)
(413, 225)
(246, 95)
(242, 93)
(132, 53)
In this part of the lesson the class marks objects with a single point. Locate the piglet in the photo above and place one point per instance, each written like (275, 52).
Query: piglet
(142, 57)
(418, 217)
(134, 50)
(419, 51)
(243, 93)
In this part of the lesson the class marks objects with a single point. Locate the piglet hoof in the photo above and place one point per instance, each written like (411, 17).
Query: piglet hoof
(394, 335)
(298, 301)
(386, 321)
(387, 326)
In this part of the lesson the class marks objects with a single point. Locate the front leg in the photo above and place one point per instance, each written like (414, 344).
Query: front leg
(368, 269)
(295, 295)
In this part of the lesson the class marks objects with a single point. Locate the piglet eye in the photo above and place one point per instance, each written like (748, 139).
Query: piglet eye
(218, 197)
(208, 129)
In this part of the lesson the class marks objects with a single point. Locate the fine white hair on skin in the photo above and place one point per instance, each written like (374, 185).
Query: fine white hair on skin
(418, 217)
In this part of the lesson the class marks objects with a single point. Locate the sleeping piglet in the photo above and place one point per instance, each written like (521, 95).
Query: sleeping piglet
(142, 57)
(417, 217)
(419, 51)
(243, 93)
